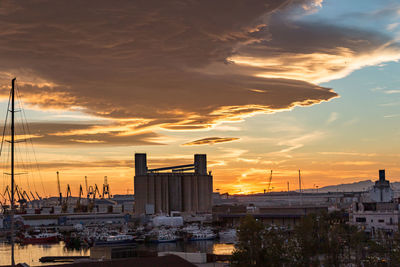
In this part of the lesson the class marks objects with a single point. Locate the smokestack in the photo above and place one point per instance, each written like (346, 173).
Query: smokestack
(381, 175)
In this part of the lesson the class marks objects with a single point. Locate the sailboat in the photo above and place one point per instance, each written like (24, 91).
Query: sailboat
(12, 211)
(13, 189)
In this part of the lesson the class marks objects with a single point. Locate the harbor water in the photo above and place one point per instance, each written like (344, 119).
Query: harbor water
(31, 254)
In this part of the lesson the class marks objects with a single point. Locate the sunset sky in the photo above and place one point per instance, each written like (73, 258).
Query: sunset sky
(256, 85)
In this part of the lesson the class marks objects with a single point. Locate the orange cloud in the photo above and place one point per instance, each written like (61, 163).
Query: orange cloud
(211, 141)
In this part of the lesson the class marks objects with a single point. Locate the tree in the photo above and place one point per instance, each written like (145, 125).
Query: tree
(249, 250)
(278, 248)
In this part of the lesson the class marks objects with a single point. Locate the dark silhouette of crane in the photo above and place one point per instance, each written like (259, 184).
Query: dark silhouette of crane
(65, 203)
(59, 188)
(269, 182)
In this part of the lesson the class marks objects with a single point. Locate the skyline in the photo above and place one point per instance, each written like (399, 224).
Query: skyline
(308, 85)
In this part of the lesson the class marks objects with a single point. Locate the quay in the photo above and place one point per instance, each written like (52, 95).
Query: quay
(62, 258)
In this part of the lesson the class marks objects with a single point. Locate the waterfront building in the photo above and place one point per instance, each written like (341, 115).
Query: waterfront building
(381, 191)
(378, 210)
(283, 216)
(185, 188)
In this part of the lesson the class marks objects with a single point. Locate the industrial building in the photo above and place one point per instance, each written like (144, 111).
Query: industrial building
(184, 188)
(378, 210)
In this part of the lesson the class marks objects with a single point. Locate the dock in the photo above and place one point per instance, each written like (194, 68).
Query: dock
(62, 258)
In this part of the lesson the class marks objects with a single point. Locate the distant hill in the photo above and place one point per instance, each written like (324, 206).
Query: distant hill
(351, 187)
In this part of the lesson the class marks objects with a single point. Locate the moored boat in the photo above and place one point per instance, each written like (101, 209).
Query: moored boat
(41, 238)
(110, 240)
(164, 236)
(202, 235)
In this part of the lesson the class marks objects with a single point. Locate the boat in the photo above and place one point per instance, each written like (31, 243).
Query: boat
(120, 239)
(166, 238)
(41, 238)
(163, 236)
(202, 235)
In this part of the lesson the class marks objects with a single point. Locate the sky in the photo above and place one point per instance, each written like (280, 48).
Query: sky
(256, 85)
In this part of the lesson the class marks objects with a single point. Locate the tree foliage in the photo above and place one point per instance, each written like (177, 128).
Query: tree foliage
(319, 239)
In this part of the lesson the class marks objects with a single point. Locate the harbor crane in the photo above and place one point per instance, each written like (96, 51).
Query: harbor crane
(89, 192)
(93, 192)
(21, 198)
(59, 188)
(7, 193)
(86, 185)
(4, 205)
(33, 196)
(26, 196)
(79, 206)
(65, 203)
(269, 182)
(106, 188)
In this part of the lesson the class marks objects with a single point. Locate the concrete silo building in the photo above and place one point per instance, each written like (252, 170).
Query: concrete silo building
(185, 188)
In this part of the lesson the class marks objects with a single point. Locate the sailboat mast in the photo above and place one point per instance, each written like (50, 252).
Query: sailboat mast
(12, 169)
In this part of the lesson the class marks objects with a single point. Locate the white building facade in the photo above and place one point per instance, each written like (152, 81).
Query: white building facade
(379, 211)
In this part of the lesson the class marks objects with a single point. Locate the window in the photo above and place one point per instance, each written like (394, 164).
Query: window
(381, 220)
(361, 219)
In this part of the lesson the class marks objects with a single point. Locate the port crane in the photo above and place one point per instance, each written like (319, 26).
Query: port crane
(21, 199)
(33, 196)
(59, 188)
(65, 203)
(269, 182)
(39, 197)
(106, 188)
(3, 204)
(7, 192)
(89, 192)
(86, 185)
(79, 206)
(26, 196)
(93, 192)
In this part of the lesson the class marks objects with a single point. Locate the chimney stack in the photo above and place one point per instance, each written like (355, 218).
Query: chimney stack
(381, 175)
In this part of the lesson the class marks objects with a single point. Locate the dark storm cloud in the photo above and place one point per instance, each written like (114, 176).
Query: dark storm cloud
(168, 62)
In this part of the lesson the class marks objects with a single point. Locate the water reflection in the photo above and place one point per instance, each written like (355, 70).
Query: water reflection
(205, 246)
(31, 254)
(223, 249)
